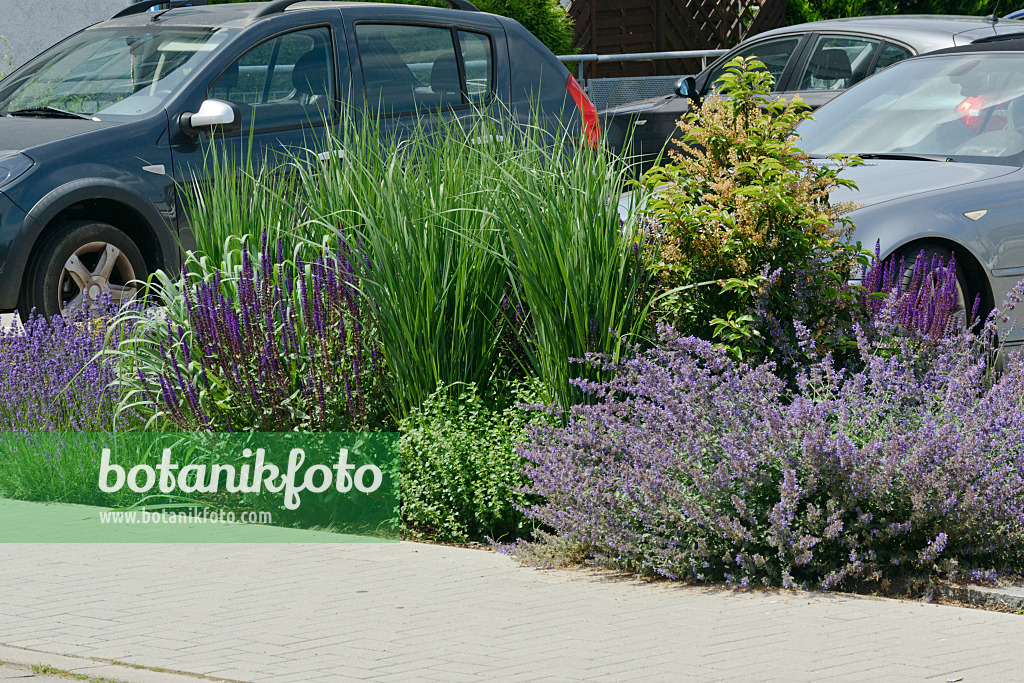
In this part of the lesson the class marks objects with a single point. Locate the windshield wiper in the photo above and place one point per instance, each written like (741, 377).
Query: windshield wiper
(50, 112)
(907, 156)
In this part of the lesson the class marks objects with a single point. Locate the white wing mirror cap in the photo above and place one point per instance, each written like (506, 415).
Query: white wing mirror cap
(211, 113)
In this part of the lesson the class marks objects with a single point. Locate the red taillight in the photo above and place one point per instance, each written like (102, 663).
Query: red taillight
(591, 125)
(980, 117)
(970, 111)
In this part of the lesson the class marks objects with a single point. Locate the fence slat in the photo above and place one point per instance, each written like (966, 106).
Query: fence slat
(608, 27)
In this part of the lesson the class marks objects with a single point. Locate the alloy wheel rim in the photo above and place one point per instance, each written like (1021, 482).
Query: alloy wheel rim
(95, 271)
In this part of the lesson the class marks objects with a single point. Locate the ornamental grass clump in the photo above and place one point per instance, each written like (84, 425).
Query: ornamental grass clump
(694, 466)
(241, 197)
(470, 219)
(424, 208)
(266, 344)
(578, 270)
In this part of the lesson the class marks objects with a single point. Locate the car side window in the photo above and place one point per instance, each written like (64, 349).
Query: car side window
(837, 62)
(284, 82)
(410, 68)
(889, 55)
(476, 55)
(775, 54)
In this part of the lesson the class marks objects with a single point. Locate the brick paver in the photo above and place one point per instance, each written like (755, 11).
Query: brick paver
(310, 613)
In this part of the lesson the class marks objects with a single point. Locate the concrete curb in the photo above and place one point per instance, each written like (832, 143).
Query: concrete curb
(1008, 597)
(94, 668)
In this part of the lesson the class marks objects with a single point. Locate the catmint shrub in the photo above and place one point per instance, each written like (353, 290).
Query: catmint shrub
(694, 466)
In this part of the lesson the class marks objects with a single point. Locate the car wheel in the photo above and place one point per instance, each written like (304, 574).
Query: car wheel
(79, 267)
(968, 284)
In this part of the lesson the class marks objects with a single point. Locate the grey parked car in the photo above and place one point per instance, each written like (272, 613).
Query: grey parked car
(816, 61)
(943, 140)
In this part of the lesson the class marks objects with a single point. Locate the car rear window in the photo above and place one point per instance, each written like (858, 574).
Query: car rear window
(889, 55)
(476, 55)
(837, 62)
(408, 68)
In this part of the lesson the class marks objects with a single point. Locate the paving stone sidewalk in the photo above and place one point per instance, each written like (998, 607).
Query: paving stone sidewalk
(409, 612)
(13, 674)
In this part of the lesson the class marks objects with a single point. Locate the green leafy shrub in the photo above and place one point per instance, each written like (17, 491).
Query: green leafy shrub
(752, 255)
(546, 19)
(799, 11)
(461, 474)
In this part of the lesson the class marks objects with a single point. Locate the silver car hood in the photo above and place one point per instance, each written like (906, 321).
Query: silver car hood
(883, 180)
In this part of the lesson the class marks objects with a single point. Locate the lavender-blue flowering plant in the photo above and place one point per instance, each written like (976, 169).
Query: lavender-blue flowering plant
(694, 466)
(55, 378)
(920, 300)
(259, 343)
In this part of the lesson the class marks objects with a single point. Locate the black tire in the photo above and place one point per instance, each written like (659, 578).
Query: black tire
(52, 283)
(971, 285)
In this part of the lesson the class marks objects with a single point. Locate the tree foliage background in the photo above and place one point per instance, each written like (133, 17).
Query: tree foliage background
(799, 11)
(546, 19)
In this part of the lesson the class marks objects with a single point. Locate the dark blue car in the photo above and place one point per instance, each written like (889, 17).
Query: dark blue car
(97, 133)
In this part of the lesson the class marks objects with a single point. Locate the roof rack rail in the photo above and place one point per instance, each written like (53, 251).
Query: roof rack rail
(145, 5)
(278, 6)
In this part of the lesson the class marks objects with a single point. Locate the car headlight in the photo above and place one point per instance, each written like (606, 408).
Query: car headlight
(13, 165)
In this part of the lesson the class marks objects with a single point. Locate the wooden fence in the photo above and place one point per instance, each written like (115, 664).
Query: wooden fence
(622, 26)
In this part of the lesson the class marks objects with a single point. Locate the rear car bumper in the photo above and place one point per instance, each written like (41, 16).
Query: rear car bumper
(643, 135)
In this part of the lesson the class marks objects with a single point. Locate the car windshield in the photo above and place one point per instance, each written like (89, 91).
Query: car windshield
(116, 73)
(966, 107)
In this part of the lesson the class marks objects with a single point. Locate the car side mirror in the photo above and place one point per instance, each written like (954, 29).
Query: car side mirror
(687, 87)
(211, 114)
